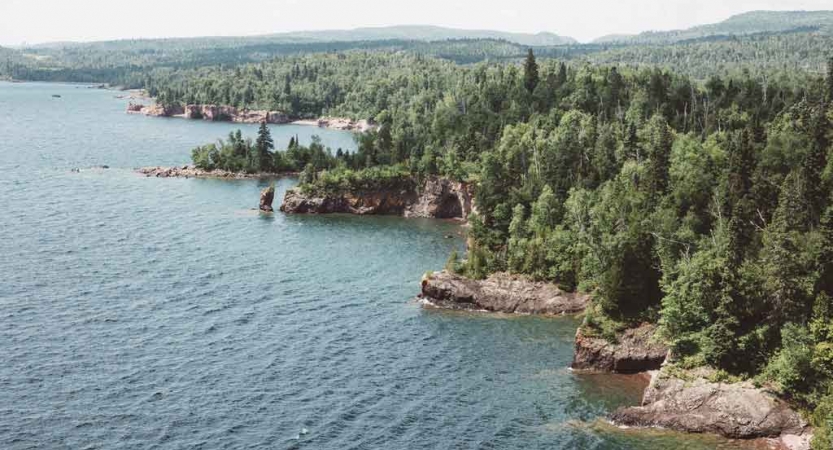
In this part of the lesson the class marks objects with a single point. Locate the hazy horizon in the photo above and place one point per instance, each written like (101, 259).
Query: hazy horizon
(28, 22)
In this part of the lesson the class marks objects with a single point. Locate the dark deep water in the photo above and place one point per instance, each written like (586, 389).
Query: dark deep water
(165, 314)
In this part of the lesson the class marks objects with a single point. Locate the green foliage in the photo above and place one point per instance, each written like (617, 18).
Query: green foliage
(451, 265)
(242, 155)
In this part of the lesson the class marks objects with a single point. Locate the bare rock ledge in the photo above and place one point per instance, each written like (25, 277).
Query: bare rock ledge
(733, 410)
(500, 293)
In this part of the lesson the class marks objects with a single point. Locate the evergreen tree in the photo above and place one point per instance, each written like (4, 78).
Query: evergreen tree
(660, 155)
(530, 72)
(829, 80)
(263, 146)
(814, 165)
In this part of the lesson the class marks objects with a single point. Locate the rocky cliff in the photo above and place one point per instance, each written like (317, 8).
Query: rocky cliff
(635, 350)
(500, 293)
(733, 410)
(435, 198)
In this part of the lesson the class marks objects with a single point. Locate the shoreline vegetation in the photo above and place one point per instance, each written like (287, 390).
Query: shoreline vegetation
(703, 208)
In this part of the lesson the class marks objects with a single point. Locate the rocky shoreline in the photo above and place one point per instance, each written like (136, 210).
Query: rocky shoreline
(437, 198)
(675, 399)
(500, 292)
(217, 113)
(694, 404)
(193, 172)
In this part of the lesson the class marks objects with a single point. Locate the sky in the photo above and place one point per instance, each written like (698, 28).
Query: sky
(38, 21)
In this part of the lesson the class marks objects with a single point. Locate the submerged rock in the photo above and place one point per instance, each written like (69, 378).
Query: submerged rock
(267, 195)
(436, 197)
(733, 410)
(500, 293)
(635, 351)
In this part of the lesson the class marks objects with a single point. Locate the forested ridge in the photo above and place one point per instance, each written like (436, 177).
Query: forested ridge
(688, 184)
(704, 207)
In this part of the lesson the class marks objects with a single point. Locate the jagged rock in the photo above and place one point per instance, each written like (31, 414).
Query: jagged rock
(437, 198)
(500, 293)
(733, 410)
(267, 195)
(441, 198)
(635, 351)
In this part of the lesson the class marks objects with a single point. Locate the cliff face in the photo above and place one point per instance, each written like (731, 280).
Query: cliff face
(435, 198)
(635, 351)
(733, 410)
(500, 293)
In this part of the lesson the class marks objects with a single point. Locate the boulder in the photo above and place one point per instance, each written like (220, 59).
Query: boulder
(733, 410)
(635, 351)
(500, 293)
(267, 195)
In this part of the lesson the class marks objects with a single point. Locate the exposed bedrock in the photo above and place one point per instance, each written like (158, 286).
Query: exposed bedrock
(437, 197)
(635, 350)
(500, 293)
(733, 410)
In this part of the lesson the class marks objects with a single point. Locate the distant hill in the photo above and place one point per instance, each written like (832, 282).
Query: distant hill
(427, 33)
(755, 22)
(424, 33)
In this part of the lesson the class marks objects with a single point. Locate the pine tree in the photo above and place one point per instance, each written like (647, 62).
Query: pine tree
(814, 165)
(825, 262)
(786, 275)
(660, 157)
(632, 144)
(562, 75)
(829, 80)
(531, 76)
(738, 201)
(263, 145)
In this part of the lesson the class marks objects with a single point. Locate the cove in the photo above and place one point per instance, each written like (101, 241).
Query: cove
(142, 312)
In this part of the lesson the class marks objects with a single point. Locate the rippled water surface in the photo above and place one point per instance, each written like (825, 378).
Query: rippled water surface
(166, 314)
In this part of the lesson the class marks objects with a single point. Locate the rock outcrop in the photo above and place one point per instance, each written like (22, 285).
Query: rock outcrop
(635, 351)
(500, 293)
(733, 410)
(211, 113)
(193, 172)
(442, 198)
(267, 195)
(437, 198)
(219, 113)
(345, 124)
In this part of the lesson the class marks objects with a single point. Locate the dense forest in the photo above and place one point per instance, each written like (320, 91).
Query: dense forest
(704, 207)
(688, 184)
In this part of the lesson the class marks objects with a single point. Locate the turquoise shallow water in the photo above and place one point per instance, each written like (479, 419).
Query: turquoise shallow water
(166, 314)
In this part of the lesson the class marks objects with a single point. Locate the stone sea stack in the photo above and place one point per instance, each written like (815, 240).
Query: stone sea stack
(267, 195)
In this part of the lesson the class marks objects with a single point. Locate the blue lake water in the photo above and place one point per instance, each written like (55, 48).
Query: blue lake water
(166, 314)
